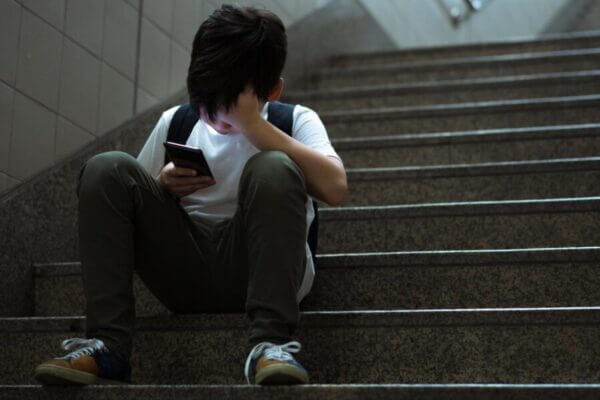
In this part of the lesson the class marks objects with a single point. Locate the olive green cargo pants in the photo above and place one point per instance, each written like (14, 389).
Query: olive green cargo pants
(252, 263)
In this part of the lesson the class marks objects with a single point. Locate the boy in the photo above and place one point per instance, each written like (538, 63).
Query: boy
(236, 243)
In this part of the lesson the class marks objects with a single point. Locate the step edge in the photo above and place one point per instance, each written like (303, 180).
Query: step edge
(341, 318)
(388, 90)
(469, 136)
(395, 67)
(409, 258)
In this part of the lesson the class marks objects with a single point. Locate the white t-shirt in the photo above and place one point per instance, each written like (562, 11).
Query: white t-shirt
(226, 156)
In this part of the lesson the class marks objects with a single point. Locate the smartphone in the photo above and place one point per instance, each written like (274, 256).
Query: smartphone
(188, 157)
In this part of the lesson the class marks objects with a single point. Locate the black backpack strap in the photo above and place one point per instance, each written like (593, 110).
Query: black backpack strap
(282, 116)
(181, 126)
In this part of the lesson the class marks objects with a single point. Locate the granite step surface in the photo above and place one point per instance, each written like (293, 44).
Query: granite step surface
(552, 42)
(463, 391)
(510, 345)
(457, 68)
(463, 116)
(411, 280)
(488, 145)
(452, 91)
(565, 177)
(461, 225)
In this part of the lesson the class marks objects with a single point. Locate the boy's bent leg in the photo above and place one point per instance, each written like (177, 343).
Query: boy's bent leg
(126, 221)
(272, 216)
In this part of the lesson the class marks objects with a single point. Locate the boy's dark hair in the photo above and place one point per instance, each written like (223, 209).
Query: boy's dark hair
(235, 47)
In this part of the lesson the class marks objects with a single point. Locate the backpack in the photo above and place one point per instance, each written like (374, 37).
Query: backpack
(280, 114)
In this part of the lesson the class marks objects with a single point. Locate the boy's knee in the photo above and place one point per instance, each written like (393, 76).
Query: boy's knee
(102, 166)
(275, 168)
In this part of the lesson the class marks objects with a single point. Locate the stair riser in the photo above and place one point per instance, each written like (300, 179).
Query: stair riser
(448, 95)
(343, 354)
(473, 152)
(460, 232)
(313, 392)
(403, 123)
(468, 51)
(469, 188)
(525, 284)
(339, 79)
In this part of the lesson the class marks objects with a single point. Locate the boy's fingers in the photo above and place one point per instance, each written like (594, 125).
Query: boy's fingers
(188, 181)
(177, 171)
(191, 188)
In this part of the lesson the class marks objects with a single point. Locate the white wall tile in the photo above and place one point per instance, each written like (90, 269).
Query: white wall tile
(52, 11)
(69, 138)
(120, 37)
(185, 21)
(12, 182)
(180, 60)
(79, 86)
(10, 22)
(116, 100)
(160, 12)
(144, 101)
(3, 183)
(134, 3)
(84, 23)
(32, 142)
(6, 121)
(7, 183)
(38, 69)
(154, 60)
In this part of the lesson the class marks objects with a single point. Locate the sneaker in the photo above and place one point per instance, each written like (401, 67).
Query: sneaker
(269, 364)
(91, 363)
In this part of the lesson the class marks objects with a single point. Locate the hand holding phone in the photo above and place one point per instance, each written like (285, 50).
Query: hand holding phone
(182, 181)
(188, 157)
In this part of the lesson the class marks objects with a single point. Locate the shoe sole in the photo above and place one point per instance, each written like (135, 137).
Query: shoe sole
(56, 375)
(283, 374)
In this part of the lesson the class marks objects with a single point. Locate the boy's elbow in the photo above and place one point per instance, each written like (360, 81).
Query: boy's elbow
(338, 193)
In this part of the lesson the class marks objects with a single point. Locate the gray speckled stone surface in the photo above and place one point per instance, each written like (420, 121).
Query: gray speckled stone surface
(465, 188)
(444, 92)
(471, 146)
(479, 346)
(506, 114)
(459, 68)
(552, 42)
(316, 392)
(499, 283)
(476, 225)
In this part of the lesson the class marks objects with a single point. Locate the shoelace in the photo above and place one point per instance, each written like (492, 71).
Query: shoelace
(84, 346)
(272, 352)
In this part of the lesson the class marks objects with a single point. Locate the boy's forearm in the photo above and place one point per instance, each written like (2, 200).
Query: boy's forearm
(325, 176)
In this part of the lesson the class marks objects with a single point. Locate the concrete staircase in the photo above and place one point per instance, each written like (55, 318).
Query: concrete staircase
(464, 264)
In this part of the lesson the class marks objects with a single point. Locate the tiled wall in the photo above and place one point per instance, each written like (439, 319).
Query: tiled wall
(71, 70)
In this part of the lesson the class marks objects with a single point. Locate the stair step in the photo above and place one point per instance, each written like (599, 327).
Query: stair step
(420, 279)
(530, 143)
(454, 91)
(512, 345)
(464, 116)
(466, 225)
(474, 391)
(554, 42)
(569, 177)
(458, 68)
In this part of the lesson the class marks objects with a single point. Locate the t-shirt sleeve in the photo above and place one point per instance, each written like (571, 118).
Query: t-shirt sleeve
(152, 155)
(309, 130)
